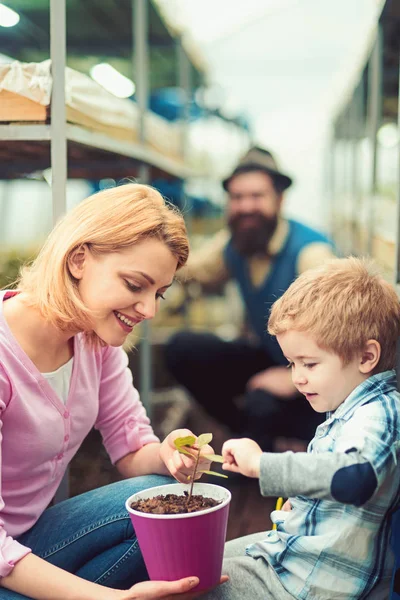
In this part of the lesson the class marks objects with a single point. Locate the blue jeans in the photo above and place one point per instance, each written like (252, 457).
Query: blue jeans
(91, 535)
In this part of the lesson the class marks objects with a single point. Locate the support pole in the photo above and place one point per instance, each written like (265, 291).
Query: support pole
(140, 63)
(374, 118)
(355, 116)
(58, 142)
(58, 113)
(397, 271)
(184, 84)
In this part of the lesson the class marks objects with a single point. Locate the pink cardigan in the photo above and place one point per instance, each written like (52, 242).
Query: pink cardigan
(39, 435)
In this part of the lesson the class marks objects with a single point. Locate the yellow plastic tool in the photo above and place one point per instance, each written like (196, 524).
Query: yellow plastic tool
(279, 504)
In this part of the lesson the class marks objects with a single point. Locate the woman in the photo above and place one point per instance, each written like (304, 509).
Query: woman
(103, 270)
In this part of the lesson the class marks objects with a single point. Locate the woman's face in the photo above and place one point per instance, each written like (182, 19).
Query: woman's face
(123, 288)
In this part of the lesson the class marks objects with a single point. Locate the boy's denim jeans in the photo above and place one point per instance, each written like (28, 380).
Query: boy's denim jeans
(91, 536)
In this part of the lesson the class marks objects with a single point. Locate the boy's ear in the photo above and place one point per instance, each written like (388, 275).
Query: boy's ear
(370, 356)
(76, 261)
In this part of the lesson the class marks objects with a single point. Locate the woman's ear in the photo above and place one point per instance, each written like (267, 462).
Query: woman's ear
(370, 356)
(76, 261)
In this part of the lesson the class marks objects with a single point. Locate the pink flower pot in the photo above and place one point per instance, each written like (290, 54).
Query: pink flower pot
(176, 546)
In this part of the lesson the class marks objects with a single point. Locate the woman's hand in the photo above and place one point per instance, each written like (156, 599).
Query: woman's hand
(180, 465)
(166, 590)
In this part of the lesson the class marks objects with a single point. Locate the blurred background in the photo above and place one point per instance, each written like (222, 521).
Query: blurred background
(173, 93)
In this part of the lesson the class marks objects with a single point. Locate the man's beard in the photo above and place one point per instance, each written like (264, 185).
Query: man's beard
(255, 238)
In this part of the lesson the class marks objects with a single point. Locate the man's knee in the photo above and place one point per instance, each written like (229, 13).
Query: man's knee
(261, 404)
(176, 350)
(189, 349)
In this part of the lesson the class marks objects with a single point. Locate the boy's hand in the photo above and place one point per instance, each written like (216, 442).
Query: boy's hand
(180, 465)
(242, 456)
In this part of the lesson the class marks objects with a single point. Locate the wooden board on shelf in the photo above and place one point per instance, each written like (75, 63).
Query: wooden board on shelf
(14, 107)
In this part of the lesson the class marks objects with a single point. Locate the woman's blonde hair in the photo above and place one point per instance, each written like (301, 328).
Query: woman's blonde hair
(108, 221)
(342, 304)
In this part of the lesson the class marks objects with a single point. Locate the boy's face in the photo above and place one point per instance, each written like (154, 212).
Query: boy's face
(319, 374)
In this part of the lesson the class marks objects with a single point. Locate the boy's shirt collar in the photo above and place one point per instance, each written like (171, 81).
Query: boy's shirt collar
(381, 383)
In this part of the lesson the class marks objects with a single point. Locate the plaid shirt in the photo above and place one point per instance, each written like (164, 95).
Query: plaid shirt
(324, 548)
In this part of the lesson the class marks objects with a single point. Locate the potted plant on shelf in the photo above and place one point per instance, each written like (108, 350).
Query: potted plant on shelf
(181, 531)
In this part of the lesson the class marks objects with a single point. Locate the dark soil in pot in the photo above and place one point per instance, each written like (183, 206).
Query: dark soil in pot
(171, 504)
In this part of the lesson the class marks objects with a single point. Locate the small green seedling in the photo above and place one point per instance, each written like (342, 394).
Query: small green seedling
(187, 445)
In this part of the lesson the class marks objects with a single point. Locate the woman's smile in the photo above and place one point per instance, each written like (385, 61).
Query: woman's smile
(127, 323)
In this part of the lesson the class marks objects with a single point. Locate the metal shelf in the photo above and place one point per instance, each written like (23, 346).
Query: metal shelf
(74, 151)
(99, 146)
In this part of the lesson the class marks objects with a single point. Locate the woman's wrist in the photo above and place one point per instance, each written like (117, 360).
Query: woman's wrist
(119, 595)
(95, 591)
(110, 594)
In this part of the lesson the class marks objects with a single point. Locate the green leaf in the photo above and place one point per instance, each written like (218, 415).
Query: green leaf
(214, 457)
(189, 440)
(184, 451)
(214, 473)
(204, 439)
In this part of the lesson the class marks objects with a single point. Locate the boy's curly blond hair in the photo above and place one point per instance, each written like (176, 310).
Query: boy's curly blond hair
(342, 304)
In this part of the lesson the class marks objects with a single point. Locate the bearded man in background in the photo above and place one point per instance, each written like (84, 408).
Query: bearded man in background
(263, 252)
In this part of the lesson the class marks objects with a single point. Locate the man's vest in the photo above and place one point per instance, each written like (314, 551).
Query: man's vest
(258, 300)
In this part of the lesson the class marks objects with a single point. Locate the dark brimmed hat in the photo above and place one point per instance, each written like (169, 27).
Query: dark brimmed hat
(258, 159)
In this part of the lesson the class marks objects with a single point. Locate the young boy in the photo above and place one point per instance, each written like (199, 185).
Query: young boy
(338, 327)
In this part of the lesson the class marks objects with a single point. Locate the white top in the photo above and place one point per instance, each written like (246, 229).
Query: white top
(61, 379)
